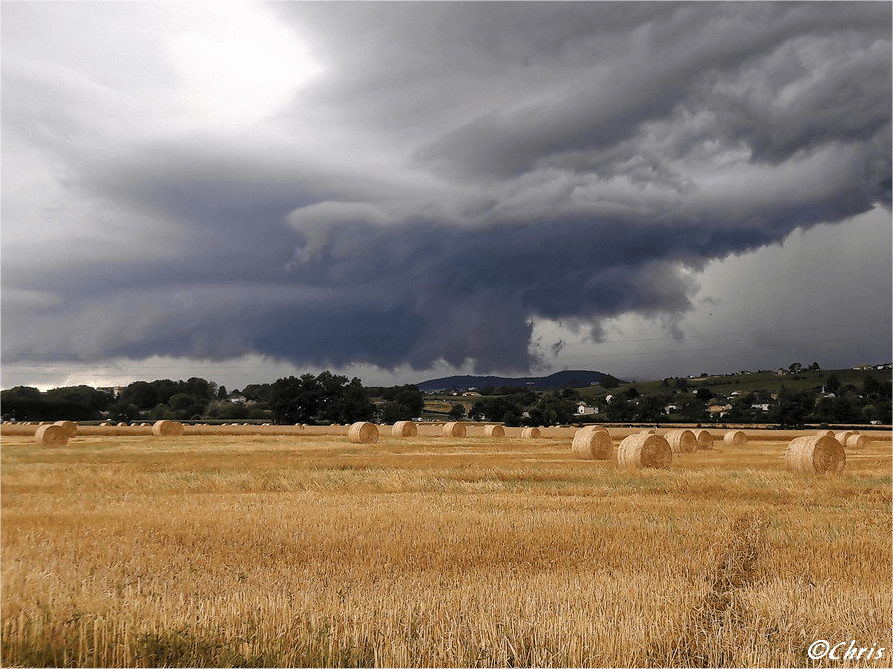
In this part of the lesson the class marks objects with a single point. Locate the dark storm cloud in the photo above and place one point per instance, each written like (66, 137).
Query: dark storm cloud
(459, 170)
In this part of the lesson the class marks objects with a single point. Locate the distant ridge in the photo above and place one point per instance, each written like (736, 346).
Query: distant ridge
(572, 378)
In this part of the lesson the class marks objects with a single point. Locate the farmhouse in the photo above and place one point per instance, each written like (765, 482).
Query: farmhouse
(584, 410)
(719, 410)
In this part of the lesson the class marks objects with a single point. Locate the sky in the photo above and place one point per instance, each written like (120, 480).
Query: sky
(404, 191)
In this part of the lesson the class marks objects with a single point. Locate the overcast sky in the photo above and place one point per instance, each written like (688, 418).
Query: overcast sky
(398, 191)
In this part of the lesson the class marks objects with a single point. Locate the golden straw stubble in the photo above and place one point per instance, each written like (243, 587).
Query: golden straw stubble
(817, 454)
(644, 451)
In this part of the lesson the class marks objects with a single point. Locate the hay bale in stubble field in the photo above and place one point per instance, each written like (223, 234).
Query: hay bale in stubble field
(818, 454)
(592, 444)
(682, 441)
(167, 428)
(363, 432)
(494, 431)
(705, 439)
(454, 429)
(843, 436)
(857, 440)
(51, 435)
(825, 433)
(530, 433)
(70, 427)
(735, 438)
(644, 451)
(404, 428)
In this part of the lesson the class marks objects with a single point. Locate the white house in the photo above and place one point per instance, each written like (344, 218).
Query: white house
(583, 410)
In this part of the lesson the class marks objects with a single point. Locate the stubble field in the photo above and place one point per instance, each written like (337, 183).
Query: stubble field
(292, 550)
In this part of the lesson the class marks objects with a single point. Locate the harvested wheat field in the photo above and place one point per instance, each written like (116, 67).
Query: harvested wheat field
(309, 550)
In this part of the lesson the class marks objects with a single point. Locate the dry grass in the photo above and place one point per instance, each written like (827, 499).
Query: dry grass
(426, 551)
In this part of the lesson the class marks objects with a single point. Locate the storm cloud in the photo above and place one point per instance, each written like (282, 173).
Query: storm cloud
(419, 183)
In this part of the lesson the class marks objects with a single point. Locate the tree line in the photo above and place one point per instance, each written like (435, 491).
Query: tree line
(331, 398)
(325, 398)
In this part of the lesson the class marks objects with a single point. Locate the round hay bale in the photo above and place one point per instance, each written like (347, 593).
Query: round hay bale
(167, 428)
(404, 428)
(363, 432)
(51, 435)
(650, 430)
(70, 427)
(825, 433)
(454, 429)
(594, 426)
(494, 431)
(530, 433)
(705, 440)
(644, 451)
(592, 444)
(843, 436)
(817, 454)
(857, 440)
(682, 441)
(122, 424)
(735, 438)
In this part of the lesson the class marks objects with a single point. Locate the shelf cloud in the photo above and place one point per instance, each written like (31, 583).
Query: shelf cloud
(406, 185)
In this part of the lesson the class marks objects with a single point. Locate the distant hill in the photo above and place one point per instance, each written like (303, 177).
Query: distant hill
(572, 378)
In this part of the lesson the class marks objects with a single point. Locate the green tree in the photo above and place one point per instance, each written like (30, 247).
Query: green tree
(346, 401)
(257, 392)
(139, 393)
(326, 398)
(650, 409)
(123, 412)
(554, 409)
(870, 385)
(457, 411)
(703, 393)
(294, 400)
(621, 410)
(793, 407)
(407, 403)
(186, 406)
(692, 409)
